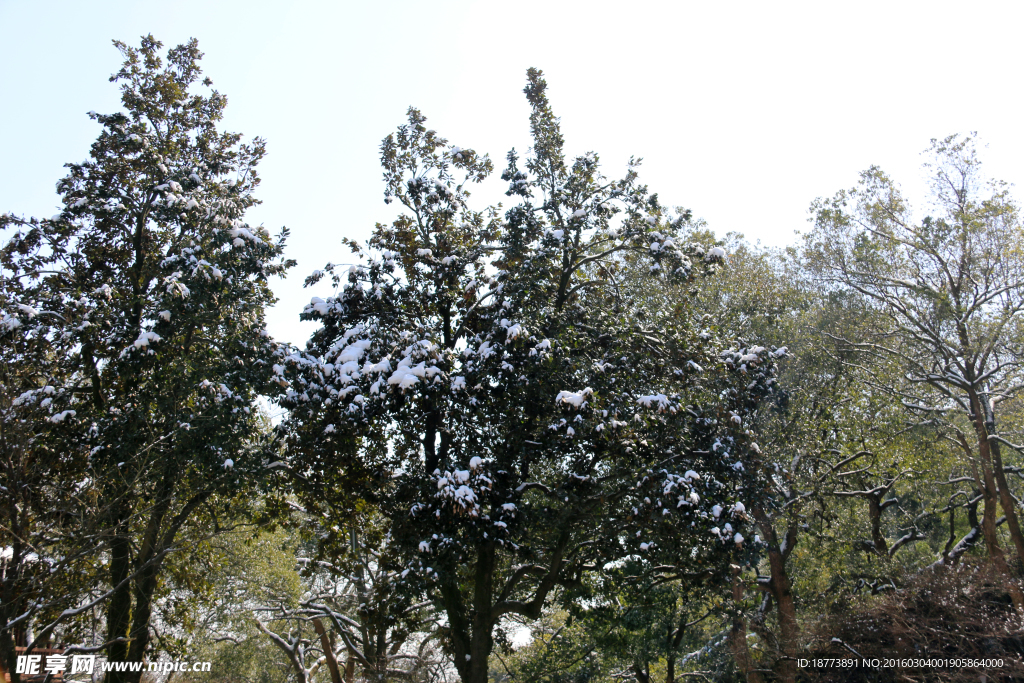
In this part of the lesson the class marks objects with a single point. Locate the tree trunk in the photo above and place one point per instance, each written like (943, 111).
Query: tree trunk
(458, 626)
(145, 588)
(483, 596)
(1006, 500)
(8, 656)
(9, 604)
(952, 535)
(470, 634)
(148, 565)
(119, 607)
(952, 557)
(875, 514)
(781, 589)
(674, 641)
(990, 492)
(988, 531)
(986, 483)
(325, 644)
(738, 634)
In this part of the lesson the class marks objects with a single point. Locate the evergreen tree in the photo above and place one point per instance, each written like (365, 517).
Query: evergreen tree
(43, 502)
(518, 420)
(149, 291)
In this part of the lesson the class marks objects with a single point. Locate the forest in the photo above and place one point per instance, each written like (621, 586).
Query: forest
(577, 436)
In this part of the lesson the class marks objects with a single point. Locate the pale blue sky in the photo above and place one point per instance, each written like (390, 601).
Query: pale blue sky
(743, 111)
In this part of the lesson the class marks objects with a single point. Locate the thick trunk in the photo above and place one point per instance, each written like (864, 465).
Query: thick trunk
(470, 634)
(875, 513)
(8, 656)
(1012, 587)
(989, 493)
(483, 598)
(458, 626)
(149, 563)
(985, 481)
(381, 659)
(119, 608)
(1006, 500)
(785, 668)
(988, 532)
(781, 589)
(145, 588)
(738, 634)
(10, 606)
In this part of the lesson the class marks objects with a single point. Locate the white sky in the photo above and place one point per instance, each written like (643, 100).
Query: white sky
(742, 111)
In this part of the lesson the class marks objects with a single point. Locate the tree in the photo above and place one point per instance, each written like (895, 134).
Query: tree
(760, 298)
(846, 463)
(948, 290)
(210, 603)
(361, 622)
(262, 607)
(150, 291)
(487, 384)
(43, 502)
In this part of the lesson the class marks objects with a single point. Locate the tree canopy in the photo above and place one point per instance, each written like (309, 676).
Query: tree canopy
(141, 305)
(518, 417)
(577, 437)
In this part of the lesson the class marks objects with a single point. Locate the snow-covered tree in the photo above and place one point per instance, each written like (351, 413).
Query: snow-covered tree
(517, 416)
(148, 290)
(42, 499)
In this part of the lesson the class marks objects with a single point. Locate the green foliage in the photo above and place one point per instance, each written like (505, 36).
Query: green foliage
(583, 417)
(517, 416)
(148, 293)
(244, 572)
